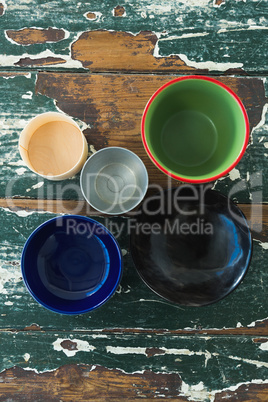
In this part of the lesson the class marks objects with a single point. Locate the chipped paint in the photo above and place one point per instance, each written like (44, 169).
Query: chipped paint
(28, 95)
(264, 346)
(209, 65)
(264, 245)
(9, 303)
(234, 174)
(21, 171)
(26, 357)
(197, 392)
(12, 60)
(124, 252)
(263, 118)
(27, 36)
(184, 36)
(89, 16)
(23, 213)
(12, 275)
(38, 185)
(81, 346)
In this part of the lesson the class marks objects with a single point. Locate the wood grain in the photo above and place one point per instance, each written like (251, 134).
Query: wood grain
(30, 36)
(123, 51)
(86, 383)
(96, 383)
(43, 61)
(256, 214)
(112, 105)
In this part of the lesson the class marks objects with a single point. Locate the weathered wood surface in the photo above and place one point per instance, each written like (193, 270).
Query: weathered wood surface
(99, 63)
(85, 367)
(108, 108)
(183, 35)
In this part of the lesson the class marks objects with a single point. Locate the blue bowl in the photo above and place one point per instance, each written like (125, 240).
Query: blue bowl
(71, 264)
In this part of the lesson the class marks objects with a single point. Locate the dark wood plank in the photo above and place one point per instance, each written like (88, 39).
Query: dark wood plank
(87, 383)
(256, 214)
(79, 367)
(245, 308)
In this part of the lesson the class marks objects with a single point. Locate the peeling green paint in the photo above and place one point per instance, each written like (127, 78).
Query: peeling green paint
(234, 31)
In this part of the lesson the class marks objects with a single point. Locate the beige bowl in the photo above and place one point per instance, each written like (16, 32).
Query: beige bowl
(53, 146)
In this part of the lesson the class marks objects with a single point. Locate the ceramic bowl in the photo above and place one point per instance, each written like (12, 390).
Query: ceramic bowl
(71, 264)
(195, 129)
(190, 247)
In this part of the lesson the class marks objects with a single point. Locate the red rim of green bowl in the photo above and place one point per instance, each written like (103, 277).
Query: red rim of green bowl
(177, 177)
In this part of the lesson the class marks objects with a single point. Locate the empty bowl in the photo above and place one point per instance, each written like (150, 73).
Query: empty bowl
(195, 129)
(189, 247)
(71, 264)
(114, 180)
(53, 146)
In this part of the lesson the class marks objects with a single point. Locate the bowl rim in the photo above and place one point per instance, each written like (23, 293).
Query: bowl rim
(236, 98)
(238, 282)
(106, 149)
(104, 299)
(55, 117)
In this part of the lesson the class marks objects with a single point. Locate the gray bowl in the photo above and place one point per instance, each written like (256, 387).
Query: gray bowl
(114, 180)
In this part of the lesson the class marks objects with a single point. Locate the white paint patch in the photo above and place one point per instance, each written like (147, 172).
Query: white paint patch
(8, 303)
(250, 28)
(96, 19)
(81, 346)
(263, 118)
(194, 392)
(28, 95)
(92, 149)
(23, 214)
(266, 144)
(9, 275)
(264, 346)
(26, 357)
(185, 36)
(124, 252)
(209, 65)
(256, 363)
(20, 171)
(239, 325)
(264, 245)
(234, 174)
(159, 9)
(9, 77)
(38, 185)
(120, 350)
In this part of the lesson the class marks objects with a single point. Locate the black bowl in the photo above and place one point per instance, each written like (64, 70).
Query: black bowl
(191, 245)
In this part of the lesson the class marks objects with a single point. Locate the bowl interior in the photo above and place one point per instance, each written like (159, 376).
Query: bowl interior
(71, 264)
(114, 180)
(195, 252)
(195, 128)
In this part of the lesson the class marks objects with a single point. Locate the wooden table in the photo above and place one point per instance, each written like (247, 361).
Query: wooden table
(99, 62)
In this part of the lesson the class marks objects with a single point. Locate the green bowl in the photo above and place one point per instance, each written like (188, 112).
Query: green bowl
(195, 129)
